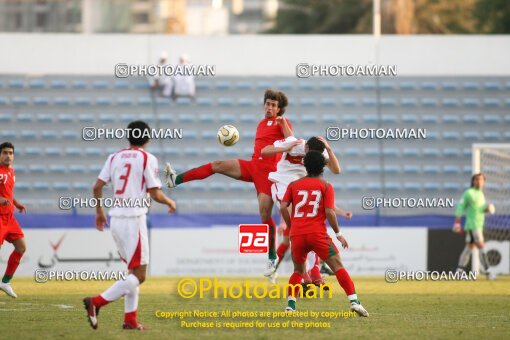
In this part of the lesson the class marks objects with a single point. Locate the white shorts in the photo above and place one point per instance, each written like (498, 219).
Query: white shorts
(277, 192)
(130, 235)
(474, 236)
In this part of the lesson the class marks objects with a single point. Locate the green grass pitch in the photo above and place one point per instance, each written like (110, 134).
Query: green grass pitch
(442, 310)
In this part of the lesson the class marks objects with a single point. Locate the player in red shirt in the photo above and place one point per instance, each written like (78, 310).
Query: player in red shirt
(270, 129)
(10, 230)
(313, 201)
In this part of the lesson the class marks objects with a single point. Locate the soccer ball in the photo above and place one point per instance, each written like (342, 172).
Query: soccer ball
(228, 135)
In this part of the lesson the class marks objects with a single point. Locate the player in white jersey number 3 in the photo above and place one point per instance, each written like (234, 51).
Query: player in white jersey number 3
(133, 174)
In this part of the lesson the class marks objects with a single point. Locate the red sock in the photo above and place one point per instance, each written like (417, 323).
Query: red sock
(282, 249)
(201, 172)
(12, 263)
(315, 272)
(295, 279)
(130, 318)
(99, 301)
(345, 281)
(272, 237)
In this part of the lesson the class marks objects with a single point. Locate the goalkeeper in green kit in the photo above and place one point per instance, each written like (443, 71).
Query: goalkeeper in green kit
(474, 205)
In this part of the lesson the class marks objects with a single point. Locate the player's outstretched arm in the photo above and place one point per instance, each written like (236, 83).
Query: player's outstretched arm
(459, 211)
(333, 162)
(344, 214)
(21, 208)
(284, 209)
(333, 222)
(271, 149)
(158, 195)
(286, 129)
(101, 220)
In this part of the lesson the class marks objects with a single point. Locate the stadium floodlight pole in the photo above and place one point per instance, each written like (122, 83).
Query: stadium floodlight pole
(376, 18)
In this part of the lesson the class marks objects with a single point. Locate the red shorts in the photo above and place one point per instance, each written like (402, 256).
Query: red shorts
(320, 243)
(9, 228)
(258, 173)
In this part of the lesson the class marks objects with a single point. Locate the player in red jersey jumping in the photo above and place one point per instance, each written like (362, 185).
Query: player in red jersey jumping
(270, 129)
(313, 201)
(10, 230)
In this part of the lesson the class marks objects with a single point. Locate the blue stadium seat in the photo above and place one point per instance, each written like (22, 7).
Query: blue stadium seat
(125, 101)
(391, 169)
(451, 152)
(40, 186)
(190, 134)
(205, 101)
(370, 118)
(372, 169)
(126, 118)
(263, 85)
(451, 135)
(191, 152)
(429, 102)
(22, 186)
(36, 84)
(83, 101)
(41, 101)
(16, 84)
(8, 134)
(99, 84)
(246, 102)
(429, 119)
(308, 119)
(393, 186)
(471, 102)
(223, 85)
(142, 85)
(327, 85)
(354, 186)
(450, 102)
(147, 101)
(491, 135)
(73, 152)
(453, 186)
(71, 134)
(372, 151)
(432, 135)
(369, 101)
(228, 118)
(86, 118)
(306, 85)
(20, 169)
(244, 85)
(52, 151)
(328, 102)
(451, 169)
(412, 186)
(471, 135)
(172, 152)
(78, 168)
(431, 152)
(235, 152)
(388, 102)
(491, 102)
(354, 169)
(410, 152)
(148, 117)
(431, 186)
(206, 118)
(62, 101)
(491, 85)
(225, 101)
(239, 186)
(5, 117)
(449, 85)
(96, 168)
(428, 85)
(25, 117)
(387, 85)
(471, 85)
(166, 118)
(4, 101)
(467, 169)
(506, 135)
(49, 134)
(107, 118)
(409, 118)
(187, 118)
(121, 84)
(492, 119)
(349, 101)
(307, 102)
(94, 152)
(20, 100)
(329, 118)
(212, 151)
(349, 119)
(353, 152)
(79, 84)
(285, 85)
(161, 101)
(431, 169)
(467, 152)
(65, 118)
(61, 186)
(408, 85)
(217, 186)
(451, 119)
(249, 118)
(203, 85)
(368, 85)
(183, 101)
(391, 152)
(37, 169)
(347, 86)
(376, 186)
(409, 102)
(28, 134)
(58, 84)
(471, 119)
(82, 186)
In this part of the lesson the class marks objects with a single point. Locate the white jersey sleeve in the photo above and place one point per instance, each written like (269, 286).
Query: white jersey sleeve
(283, 143)
(104, 175)
(151, 173)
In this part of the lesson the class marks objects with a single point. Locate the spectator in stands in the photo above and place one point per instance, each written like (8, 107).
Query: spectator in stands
(162, 84)
(184, 85)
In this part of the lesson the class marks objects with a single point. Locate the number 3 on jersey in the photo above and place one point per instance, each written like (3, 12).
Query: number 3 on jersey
(314, 203)
(124, 178)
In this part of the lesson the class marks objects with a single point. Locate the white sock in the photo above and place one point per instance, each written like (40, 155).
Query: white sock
(121, 288)
(131, 300)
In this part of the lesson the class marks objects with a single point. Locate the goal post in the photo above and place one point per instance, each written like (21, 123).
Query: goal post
(493, 160)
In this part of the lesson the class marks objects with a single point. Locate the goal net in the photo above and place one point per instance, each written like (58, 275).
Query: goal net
(493, 160)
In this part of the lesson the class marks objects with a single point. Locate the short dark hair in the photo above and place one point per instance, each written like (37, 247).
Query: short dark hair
(315, 144)
(474, 177)
(280, 97)
(314, 163)
(140, 137)
(6, 145)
